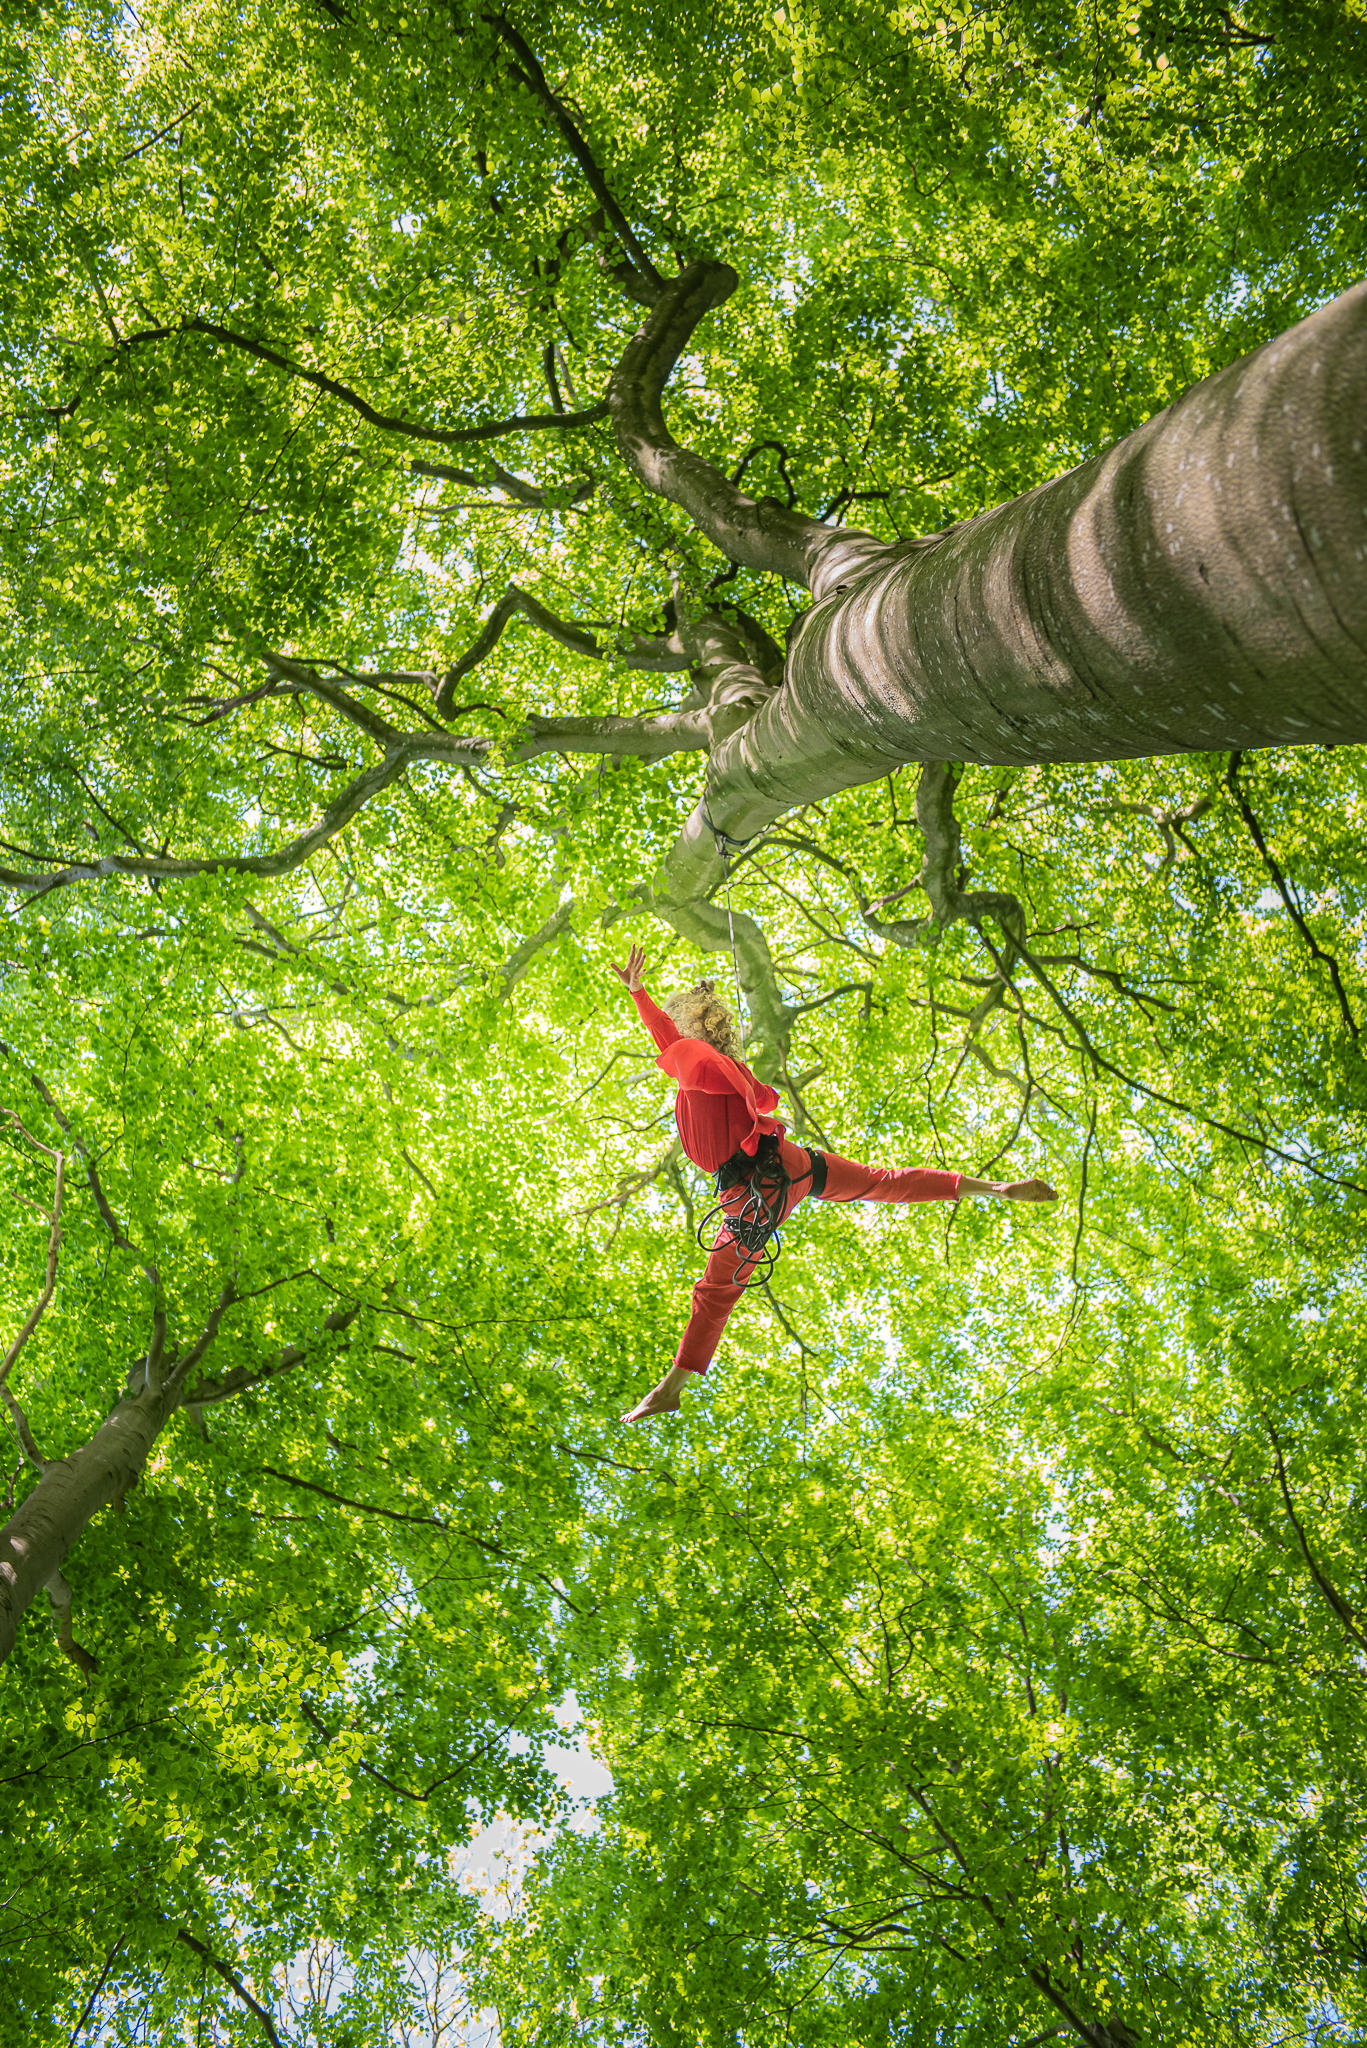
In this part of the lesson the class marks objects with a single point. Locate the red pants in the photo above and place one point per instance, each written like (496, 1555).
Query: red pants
(729, 1266)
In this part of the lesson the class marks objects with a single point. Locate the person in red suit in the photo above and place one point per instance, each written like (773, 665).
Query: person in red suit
(728, 1127)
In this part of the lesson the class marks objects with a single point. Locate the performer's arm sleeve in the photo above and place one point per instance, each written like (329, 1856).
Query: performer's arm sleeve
(660, 1027)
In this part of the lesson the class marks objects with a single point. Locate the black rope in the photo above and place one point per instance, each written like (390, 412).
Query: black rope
(753, 1227)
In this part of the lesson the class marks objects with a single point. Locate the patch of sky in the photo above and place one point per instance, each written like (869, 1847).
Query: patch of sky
(493, 1864)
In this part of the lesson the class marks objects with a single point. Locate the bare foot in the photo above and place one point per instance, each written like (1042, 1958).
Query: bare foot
(661, 1400)
(1031, 1191)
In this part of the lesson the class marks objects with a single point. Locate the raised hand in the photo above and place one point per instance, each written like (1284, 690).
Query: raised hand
(633, 974)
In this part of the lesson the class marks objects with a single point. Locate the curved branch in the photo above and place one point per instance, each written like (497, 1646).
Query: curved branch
(662, 654)
(22, 1429)
(775, 448)
(761, 535)
(59, 1593)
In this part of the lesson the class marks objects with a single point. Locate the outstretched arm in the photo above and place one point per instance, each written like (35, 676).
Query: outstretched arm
(1009, 1190)
(661, 1028)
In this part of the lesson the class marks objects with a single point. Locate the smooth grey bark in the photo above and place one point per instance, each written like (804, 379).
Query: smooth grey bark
(1201, 585)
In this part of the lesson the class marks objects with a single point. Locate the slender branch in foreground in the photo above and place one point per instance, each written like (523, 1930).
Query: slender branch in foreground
(89, 2005)
(529, 71)
(53, 1247)
(445, 437)
(234, 1983)
(122, 1241)
(1294, 911)
(1329, 1592)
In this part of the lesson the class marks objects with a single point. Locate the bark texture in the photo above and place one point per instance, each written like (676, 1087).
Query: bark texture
(37, 1538)
(1201, 585)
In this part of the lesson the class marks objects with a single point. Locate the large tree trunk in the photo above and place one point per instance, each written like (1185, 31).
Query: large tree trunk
(1201, 585)
(37, 1538)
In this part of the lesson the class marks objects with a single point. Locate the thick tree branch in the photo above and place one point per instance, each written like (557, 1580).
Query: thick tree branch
(207, 1393)
(511, 973)
(183, 1368)
(941, 878)
(761, 535)
(512, 486)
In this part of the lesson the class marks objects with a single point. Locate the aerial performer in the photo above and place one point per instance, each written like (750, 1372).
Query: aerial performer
(727, 1126)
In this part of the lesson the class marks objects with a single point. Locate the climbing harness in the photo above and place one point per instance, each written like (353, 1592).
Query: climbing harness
(753, 1225)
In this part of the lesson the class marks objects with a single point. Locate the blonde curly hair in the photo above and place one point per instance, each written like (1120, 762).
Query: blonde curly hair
(700, 1012)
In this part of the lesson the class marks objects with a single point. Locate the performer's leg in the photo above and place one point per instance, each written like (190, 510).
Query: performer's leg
(847, 1181)
(715, 1293)
(717, 1290)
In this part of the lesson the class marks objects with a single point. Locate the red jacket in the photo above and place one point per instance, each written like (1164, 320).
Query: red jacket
(721, 1107)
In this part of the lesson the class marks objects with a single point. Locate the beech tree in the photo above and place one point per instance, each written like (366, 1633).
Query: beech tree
(977, 393)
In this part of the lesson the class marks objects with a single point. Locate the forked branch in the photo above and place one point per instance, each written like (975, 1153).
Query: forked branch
(661, 653)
